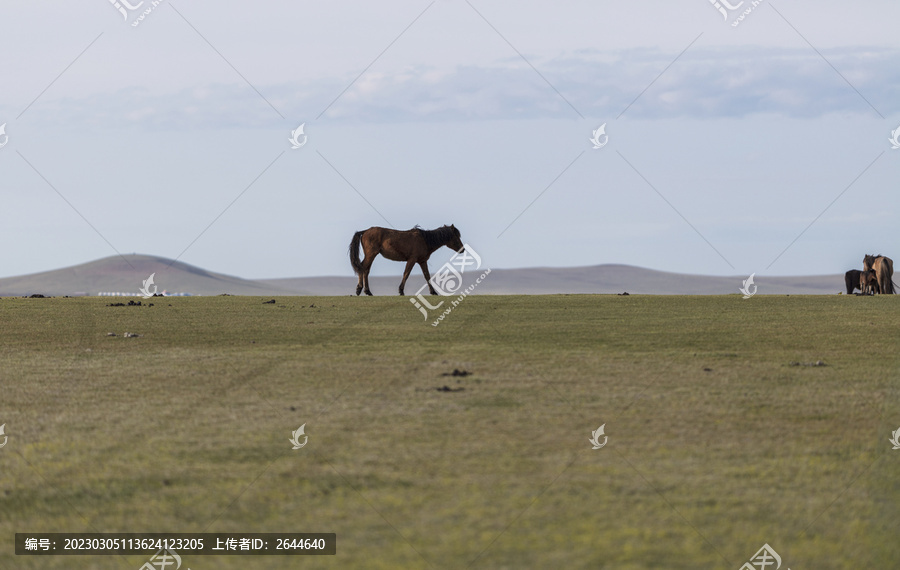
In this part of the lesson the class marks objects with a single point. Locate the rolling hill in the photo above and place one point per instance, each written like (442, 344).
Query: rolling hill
(126, 274)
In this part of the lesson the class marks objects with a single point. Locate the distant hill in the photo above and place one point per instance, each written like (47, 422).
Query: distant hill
(126, 274)
(593, 279)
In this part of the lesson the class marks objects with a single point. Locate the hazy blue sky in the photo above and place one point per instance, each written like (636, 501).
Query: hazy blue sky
(761, 147)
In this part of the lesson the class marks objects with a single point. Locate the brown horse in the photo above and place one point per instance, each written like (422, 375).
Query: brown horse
(868, 282)
(412, 246)
(851, 280)
(884, 271)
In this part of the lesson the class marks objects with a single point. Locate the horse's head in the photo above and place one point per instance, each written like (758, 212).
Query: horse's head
(868, 262)
(456, 240)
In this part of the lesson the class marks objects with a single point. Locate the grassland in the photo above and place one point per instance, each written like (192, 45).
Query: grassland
(718, 443)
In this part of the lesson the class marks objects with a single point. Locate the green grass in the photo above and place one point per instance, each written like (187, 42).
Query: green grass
(717, 444)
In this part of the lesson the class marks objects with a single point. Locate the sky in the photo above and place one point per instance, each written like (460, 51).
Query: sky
(754, 140)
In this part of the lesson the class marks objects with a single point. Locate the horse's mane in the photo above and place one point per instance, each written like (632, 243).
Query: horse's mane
(437, 237)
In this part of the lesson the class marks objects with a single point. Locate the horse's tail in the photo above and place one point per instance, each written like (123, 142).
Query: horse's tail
(355, 261)
(890, 276)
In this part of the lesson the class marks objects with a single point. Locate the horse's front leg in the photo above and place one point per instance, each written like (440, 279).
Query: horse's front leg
(424, 266)
(406, 272)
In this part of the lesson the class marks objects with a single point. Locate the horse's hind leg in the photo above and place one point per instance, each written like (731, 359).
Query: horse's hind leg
(367, 265)
(366, 282)
(406, 272)
(359, 284)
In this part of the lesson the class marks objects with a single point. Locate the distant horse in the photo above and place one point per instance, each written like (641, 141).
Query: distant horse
(884, 271)
(868, 282)
(412, 246)
(851, 280)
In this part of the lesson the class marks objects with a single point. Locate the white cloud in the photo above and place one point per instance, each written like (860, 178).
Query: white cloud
(704, 83)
